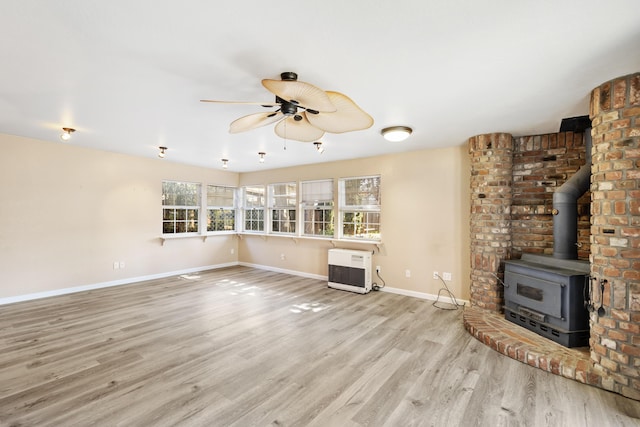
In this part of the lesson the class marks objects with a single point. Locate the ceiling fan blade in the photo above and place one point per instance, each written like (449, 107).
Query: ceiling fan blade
(264, 104)
(300, 130)
(300, 93)
(253, 121)
(348, 117)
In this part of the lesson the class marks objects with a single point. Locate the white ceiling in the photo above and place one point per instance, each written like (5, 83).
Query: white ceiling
(128, 75)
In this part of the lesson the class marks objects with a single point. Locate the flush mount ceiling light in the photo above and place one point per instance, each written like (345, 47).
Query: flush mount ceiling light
(262, 154)
(66, 135)
(396, 133)
(225, 163)
(319, 147)
(162, 152)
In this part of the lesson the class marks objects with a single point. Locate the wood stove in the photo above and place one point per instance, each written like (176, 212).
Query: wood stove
(547, 296)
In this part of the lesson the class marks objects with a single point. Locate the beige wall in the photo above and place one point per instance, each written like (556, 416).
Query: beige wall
(425, 220)
(67, 213)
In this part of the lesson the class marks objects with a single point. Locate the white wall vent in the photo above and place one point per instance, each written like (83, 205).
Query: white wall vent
(350, 270)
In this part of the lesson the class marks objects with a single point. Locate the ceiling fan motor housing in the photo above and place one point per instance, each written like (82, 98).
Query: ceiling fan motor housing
(287, 108)
(289, 76)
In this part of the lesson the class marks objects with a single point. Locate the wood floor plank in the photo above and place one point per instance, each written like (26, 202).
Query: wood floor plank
(241, 346)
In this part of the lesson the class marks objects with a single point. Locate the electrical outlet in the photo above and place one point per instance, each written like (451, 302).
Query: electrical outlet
(378, 270)
(407, 273)
(435, 274)
(446, 276)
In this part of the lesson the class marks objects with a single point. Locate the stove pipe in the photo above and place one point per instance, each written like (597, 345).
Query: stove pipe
(565, 208)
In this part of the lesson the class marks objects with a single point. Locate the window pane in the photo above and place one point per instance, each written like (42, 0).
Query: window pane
(317, 191)
(361, 225)
(221, 220)
(220, 196)
(253, 197)
(283, 220)
(361, 191)
(180, 193)
(318, 222)
(283, 195)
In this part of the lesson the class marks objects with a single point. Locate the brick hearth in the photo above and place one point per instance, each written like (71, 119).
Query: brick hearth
(527, 347)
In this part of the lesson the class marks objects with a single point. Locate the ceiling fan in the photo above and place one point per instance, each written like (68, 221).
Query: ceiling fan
(304, 112)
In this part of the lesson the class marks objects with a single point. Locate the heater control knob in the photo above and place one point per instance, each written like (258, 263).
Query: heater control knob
(555, 211)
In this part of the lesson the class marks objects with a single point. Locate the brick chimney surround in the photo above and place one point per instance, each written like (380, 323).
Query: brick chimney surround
(512, 185)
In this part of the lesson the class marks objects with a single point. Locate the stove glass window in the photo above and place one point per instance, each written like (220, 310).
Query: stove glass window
(530, 292)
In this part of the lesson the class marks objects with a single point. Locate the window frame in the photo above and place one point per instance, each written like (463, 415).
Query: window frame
(276, 209)
(304, 209)
(356, 209)
(186, 207)
(233, 208)
(253, 209)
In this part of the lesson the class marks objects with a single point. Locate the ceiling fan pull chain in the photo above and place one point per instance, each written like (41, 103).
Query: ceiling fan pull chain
(285, 134)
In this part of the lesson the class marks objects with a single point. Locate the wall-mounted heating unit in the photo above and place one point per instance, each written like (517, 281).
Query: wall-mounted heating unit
(350, 270)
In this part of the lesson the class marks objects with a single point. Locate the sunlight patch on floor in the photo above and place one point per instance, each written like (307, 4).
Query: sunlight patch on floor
(313, 307)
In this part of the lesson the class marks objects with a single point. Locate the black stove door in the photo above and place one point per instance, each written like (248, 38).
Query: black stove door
(543, 296)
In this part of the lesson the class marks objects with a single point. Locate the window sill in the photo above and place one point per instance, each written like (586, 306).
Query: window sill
(204, 237)
(332, 240)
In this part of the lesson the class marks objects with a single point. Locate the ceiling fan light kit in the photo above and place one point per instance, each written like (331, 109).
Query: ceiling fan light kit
(396, 133)
(305, 112)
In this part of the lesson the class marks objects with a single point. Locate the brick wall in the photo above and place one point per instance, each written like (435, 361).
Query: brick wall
(491, 186)
(541, 164)
(615, 232)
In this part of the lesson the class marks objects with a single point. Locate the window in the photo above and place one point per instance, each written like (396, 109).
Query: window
(180, 207)
(253, 208)
(360, 207)
(283, 207)
(317, 208)
(221, 212)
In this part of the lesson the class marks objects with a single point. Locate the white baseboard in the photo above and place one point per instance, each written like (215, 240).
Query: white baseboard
(423, 295)
(283, 270)
(130, 280)
(414, 294)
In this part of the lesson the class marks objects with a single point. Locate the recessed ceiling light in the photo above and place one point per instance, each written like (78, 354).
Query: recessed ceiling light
(396, 133)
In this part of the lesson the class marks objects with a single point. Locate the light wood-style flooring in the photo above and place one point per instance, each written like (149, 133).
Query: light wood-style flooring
(247, 347)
